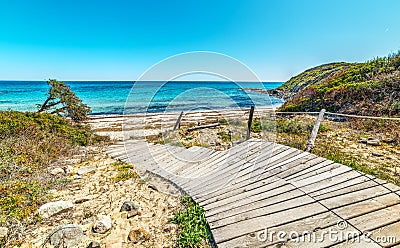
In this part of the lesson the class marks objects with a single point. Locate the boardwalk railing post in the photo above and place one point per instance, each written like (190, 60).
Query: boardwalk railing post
(249, 122)
(314, 132)
(178, 122)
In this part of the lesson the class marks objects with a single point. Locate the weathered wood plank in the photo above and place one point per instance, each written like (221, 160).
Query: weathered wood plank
(387, 235)
(248, 214)
(367, 206)
(353, 197)
(266, 178)
(281, 194)
(316, 178)
(376, 219)
(244, 227)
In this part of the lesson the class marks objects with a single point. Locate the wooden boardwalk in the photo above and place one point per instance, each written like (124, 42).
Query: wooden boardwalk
(259, 188)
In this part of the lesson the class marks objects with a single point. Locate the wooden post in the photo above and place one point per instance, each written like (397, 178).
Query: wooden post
(314, 132)
(178, 122)
(249, 122)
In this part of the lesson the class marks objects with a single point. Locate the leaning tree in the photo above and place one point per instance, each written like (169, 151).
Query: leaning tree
(62, 101)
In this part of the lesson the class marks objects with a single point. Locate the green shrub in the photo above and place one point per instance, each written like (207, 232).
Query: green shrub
(29, 142)
(193, 227)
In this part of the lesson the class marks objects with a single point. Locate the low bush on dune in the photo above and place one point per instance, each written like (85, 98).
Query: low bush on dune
(29, 144)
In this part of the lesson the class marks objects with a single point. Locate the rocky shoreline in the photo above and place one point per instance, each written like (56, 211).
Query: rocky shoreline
(277, 93)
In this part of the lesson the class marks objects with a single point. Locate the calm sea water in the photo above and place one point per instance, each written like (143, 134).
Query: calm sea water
(136, 97)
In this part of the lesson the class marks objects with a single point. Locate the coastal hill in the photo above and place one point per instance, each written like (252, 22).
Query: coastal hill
(369, 88)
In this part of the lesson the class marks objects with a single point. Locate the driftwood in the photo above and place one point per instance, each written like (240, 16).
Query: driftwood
(204, 126)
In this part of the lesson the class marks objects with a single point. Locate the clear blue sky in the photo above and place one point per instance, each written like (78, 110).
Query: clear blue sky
(119, 40)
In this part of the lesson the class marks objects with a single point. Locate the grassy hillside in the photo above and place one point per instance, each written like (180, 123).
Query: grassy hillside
(370, 88)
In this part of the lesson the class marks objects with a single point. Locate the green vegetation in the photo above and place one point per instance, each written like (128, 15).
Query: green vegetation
(312, 76)
(256, 126)
(224, 136)
(29, 144)
(370, 88)
(63, 102)
(193, 227)
(125, 171)
(338, 141)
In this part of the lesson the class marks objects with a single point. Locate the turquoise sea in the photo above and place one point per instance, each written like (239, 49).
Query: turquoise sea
(108, 97)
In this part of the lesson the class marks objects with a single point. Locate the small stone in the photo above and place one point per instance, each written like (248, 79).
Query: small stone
(139, 234)
(153, 187)
(3, 232)
(373, 142)
(57, 171)
(102, 189)
(51, 208)
(170, 227)
(69, 235)
(377, 154)
(103, 224)
(129, 206)
(132, 213)
(94, 244)
(363, 140)
(82, 200)
(114, 244)
(86, 170)
(69, 170)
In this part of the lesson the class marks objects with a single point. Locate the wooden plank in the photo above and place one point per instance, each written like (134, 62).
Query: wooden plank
(268, 178)
(316, 172)
(348, 189)
(333, 184)
(304, 166)
(258, 239)
(387, 235)
(239, 172)
(376, 219)
(232, 207)
(367, 206)
(224, 174)
(225, 160)
(244, 227)
(362, 242)
(324, 237)
(282, 206)
(353, 197)
(322, 176)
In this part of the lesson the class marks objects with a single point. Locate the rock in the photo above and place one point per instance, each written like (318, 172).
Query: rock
(363, 140)
(170, 227)
(81, 200)
(138, 234)
(94, 244)
(114, 244)
(129, 206)
(57, 171)
(66, 236)
(103, 224)
(377, 154)
(86, 170)
(77, 177)
(132, 213)
(152, 186)
(51, 208)
(69, 170)
(3, 232)
(373, 142)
